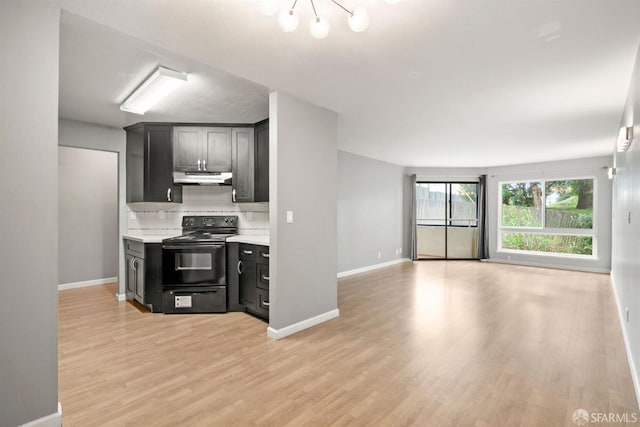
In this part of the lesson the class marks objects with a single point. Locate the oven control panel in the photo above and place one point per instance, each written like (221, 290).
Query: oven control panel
(209, 222)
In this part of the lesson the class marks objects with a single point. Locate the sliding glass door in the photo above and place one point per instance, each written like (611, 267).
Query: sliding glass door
(447, 220)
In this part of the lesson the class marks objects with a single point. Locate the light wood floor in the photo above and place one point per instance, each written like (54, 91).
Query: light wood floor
(427, 344)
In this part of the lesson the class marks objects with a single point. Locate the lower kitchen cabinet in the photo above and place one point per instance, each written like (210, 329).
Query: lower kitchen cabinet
(144, 273)
(250, 276)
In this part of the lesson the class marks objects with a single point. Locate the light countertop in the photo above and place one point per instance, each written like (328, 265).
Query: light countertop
(148, 238)
(258, 239)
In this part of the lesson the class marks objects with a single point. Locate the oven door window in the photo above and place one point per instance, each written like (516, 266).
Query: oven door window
(193, 261)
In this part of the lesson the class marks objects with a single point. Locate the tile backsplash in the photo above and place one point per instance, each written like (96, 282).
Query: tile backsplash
(165, 218)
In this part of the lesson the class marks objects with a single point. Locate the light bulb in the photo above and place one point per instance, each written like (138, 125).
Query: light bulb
(288, 20)
(319, 27)
(359, 20)
(268, 7)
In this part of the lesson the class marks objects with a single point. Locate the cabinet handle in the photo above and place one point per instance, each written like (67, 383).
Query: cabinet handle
(199, 164)
(266, 303)
(204, 165)
(133, 264)
(246, 252)
(265, 255)
(169, 194)
(233, 195)
(265, 277)
(239, 268)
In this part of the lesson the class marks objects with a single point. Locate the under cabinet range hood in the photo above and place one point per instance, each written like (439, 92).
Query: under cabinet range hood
(202, 178)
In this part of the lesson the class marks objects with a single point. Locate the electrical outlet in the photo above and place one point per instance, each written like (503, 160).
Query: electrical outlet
(627, 313)
(289, 217)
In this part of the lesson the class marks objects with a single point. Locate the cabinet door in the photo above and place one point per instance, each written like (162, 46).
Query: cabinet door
(216, 149)
(138, 265)
(233, 277)
(242, 164)
(187, 155)
(262, 163)
(158, 166)
(248, 276)
(131, 277)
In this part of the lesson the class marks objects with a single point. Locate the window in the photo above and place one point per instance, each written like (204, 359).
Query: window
(548, 217)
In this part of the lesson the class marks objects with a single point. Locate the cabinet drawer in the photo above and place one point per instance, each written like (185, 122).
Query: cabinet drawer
(247, 251)
(262, 279)
(133, 247)
(263, 299)
(262, 254)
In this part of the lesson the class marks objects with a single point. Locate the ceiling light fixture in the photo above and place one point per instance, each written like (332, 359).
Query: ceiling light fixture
(157, 86)
(319, 26)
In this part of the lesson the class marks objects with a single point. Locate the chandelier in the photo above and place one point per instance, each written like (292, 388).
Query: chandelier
(288, 20)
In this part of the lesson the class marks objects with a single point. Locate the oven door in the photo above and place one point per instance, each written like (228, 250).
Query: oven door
(193, 265)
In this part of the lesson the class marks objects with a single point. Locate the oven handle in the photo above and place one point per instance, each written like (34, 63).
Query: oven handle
(192, 247)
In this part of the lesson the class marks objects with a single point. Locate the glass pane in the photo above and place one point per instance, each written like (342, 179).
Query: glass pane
(464, 205)
(522, 204)
(552, 243)
(430, 204)
(569, 204)
(431, 241)
(193, 261)
(462, 242)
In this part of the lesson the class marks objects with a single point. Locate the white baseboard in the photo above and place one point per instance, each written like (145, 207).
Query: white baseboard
(372, 267)
(627, 346)
(542, 265)
(297, 327)
(52, 420)
(74, 285)
(121, 297)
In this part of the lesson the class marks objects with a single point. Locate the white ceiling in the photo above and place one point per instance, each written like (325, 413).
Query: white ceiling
(430, 83)
(100, 67)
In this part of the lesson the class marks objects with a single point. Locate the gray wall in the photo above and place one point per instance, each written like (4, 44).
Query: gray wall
(625, 261)
(96, 137)
(29, 34)
(371, 212)
(87, 214)
(580, 168)
(594, 167)
(303, 170)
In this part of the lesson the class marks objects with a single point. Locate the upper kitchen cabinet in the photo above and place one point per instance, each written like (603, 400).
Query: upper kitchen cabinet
(201, 149)
(150, 164)
(250, 163)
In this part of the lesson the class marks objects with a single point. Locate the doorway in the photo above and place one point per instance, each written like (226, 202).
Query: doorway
(447, 220)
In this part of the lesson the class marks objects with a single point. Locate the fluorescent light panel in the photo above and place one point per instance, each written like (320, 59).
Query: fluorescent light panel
(156, 87)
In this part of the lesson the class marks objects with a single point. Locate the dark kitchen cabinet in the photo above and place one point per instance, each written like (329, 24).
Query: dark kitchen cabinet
(261, 161)
(250, 163)
(201, 149)
(144, 273)
(248, 272)
(150, 164)
(233, 277)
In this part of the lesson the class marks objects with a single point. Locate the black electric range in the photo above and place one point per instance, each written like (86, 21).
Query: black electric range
(194, 265)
